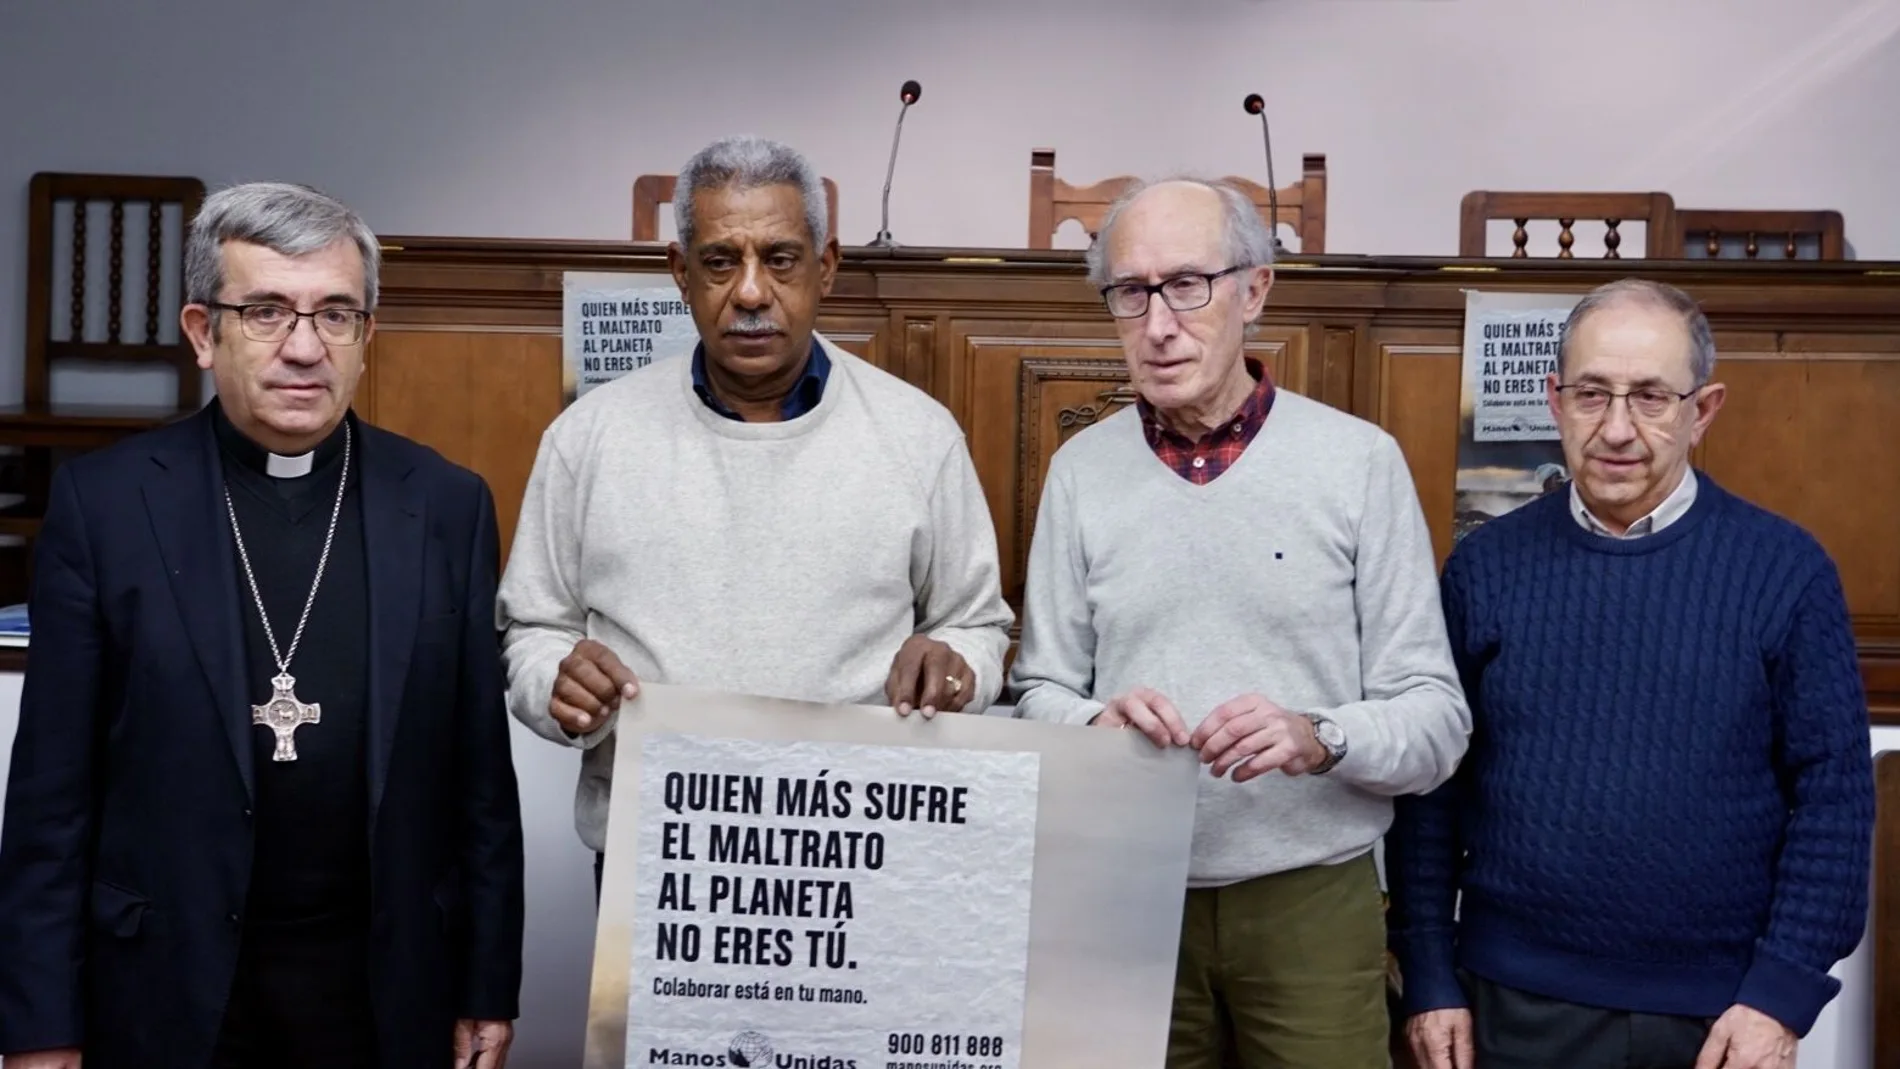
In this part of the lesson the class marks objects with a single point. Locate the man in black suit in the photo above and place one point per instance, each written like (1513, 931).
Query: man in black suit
(262, 809)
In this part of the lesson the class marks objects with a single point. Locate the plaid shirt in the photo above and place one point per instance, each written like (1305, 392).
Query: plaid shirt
(1203, 461)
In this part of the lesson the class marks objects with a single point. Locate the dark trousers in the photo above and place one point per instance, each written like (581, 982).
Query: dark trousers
(1518, 1030)
(300, 999)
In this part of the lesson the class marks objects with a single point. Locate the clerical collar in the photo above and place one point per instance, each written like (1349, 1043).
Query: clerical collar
(241, 448)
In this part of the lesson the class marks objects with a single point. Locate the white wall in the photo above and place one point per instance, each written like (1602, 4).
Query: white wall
(503, 118)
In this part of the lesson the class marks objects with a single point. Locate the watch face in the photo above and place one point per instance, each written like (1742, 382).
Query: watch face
(1330, 734)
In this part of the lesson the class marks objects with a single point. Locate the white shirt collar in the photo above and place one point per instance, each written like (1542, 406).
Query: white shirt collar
(1673, 508)
(283, 467)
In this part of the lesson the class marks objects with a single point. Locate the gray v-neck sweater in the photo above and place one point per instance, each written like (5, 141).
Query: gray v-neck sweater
(1304, 573)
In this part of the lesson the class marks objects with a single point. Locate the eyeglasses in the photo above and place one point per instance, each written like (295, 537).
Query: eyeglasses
(1183, 293)
(274, 322)
(1651, 404)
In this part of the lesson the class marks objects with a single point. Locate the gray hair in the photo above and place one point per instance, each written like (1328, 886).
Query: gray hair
(1649, 294)
(747, 162)
(1245, 239)
(290, 220)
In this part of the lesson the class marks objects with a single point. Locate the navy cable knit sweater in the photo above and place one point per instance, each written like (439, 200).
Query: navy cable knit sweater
(1668, 803)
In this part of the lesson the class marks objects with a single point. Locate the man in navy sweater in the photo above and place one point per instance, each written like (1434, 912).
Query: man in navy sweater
(1659, 843)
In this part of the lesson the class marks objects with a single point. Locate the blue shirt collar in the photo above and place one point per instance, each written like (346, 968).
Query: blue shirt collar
(804, 396)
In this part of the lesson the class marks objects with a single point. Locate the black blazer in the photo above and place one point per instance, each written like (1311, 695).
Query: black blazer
(126, 851)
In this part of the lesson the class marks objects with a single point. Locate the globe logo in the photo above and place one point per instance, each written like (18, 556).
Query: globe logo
(749, 1050)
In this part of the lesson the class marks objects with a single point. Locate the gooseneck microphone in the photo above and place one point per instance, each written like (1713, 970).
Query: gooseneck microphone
(908, 94)
(1256, 105)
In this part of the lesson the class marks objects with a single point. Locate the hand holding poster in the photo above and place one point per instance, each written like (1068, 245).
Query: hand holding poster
(809, 886)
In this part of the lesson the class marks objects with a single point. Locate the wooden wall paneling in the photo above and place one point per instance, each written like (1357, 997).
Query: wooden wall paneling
(922, 363)
(1057, 400)
(1853, 449)
(364, 403)
(1013, 360)
(1756, 445)
(480, 398)
(1854, 500)
(865, 335)
(918, 353)
(1366, 371)
(1880, 674)
(1010, 339)
(1336, 347)
(1810, 430)
(1854, 509)
(1287, 352)
(1420, 374)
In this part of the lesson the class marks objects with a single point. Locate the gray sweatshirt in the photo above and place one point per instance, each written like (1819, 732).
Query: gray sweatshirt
(783, 559)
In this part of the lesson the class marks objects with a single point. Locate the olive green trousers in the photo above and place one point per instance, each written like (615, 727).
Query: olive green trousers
(1285, 971)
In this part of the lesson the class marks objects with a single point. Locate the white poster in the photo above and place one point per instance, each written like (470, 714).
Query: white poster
(1509, 451)
(869, 891)
(818, 904)
(613, 323)
(1511, 344)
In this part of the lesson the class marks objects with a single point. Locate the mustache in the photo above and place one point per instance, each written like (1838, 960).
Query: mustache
(755, 323)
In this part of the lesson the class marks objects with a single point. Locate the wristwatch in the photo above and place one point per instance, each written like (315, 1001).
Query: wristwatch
(1331, 737)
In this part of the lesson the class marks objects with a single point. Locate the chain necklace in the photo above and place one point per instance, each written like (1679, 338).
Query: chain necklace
(283, 713)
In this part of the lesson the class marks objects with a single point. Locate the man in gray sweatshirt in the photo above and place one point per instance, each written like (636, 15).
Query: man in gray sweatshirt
(1230, 567)
(772, 516)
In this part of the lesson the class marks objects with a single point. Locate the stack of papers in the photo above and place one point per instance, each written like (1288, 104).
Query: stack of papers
(14, 629)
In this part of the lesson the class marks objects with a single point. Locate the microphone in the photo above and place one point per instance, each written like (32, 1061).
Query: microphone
(1256, 105)
(908, 94)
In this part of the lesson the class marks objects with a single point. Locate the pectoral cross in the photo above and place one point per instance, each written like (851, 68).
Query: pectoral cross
(284, 714)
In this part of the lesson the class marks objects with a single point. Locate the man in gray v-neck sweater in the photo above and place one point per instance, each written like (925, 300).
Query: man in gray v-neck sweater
(1240, 570)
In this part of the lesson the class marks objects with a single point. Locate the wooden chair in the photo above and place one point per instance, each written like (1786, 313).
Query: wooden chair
(1708, 231)
(39, 427)
(1053, 201)
(652, 190)
(1657, 211)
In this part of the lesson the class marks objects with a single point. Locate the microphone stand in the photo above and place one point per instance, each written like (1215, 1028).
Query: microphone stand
(883, 239)
(1273, 191)
(1256, 106)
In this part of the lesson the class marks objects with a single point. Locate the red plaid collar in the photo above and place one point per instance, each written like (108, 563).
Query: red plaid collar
(1200, 462)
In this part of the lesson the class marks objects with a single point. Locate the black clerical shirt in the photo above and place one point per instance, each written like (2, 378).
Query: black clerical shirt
(311, 859)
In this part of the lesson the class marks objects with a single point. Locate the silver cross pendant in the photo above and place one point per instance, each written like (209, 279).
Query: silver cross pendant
(284, 714)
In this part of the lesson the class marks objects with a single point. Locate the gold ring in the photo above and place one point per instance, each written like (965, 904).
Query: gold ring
(956, 685)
